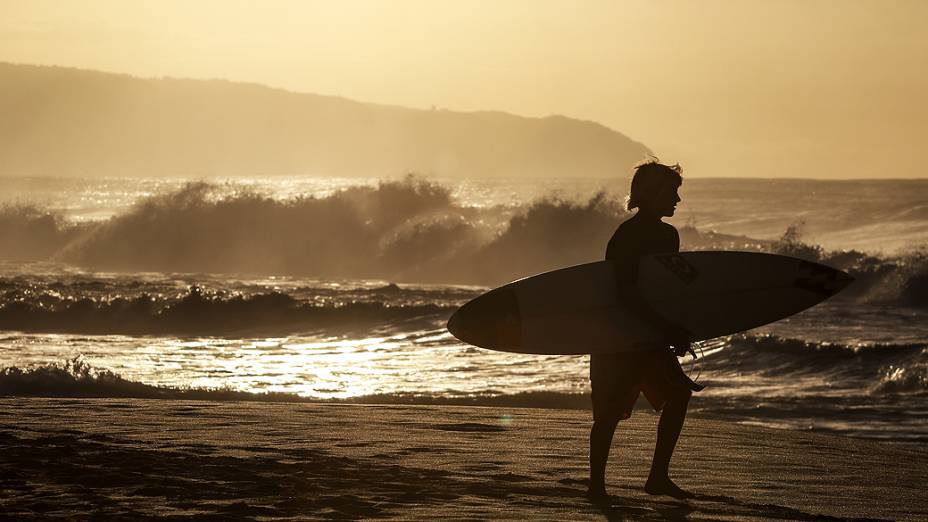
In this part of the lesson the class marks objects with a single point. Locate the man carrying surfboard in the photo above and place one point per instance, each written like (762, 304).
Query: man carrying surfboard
(617, 379)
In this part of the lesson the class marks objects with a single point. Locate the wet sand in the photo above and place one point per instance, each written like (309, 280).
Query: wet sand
(138, 459)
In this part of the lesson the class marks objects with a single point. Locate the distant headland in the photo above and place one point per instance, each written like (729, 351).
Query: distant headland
(61, 121)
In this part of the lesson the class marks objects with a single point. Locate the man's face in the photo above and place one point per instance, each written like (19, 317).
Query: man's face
(665, 201)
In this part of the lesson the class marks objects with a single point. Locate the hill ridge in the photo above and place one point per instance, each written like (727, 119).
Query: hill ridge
(67, 121)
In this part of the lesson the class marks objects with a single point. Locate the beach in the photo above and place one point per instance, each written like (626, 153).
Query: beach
(134, 459)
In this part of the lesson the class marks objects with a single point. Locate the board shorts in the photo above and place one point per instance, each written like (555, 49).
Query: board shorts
(618, 379)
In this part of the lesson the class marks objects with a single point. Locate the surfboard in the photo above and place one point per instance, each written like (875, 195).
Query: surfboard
(579, 309)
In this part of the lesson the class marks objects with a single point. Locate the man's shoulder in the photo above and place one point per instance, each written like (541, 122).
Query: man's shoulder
(635, 226)
(669, 228)
(619, 237)
(628, 225)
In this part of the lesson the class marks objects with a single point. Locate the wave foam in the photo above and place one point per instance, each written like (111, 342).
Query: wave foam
(895, 368)
(201, 313)
(862, 414)
(77, 378)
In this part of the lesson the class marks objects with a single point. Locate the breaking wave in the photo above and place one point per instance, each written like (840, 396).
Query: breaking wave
(77, 378)
(879, 368)
(30, 233)
(206, 313)
(871, 371)
(873, 391)
(405, 231)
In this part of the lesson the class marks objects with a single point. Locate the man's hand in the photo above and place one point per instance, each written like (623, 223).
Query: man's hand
(679, 338)
(680, 350)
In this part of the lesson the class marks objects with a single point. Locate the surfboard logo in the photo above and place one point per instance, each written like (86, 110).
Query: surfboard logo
(679, 266)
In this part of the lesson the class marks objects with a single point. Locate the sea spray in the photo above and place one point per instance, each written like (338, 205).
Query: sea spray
(410, 230)
(78, 378)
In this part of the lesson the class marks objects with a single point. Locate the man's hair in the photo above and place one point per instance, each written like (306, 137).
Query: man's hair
(650, 177)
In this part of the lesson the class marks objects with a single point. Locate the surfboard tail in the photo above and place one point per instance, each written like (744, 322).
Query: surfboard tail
(492, 320)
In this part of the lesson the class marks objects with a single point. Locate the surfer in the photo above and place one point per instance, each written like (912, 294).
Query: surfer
(617, 379)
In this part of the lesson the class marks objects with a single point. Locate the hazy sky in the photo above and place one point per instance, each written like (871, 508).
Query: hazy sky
(733, 88)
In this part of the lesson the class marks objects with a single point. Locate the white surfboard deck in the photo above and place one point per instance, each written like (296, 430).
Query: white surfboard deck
(577, 310)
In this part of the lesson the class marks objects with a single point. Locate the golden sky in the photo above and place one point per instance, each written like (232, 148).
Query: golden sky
(813, 88)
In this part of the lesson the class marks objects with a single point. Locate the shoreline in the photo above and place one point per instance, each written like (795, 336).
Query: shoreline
(147, 458)
(63, 384)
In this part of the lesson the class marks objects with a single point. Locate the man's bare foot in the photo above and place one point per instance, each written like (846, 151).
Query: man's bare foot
(597, 494)
(665, 486)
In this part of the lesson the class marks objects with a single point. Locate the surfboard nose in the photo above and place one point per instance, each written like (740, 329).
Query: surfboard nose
(842, 280)
(822, 279)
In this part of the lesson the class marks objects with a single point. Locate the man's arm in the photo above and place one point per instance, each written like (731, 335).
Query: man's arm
(680, 338)
(629, 293)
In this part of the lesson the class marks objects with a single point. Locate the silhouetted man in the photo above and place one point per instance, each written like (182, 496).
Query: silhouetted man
(617, 379)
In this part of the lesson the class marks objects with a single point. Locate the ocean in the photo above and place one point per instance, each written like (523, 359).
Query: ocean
(313, 288)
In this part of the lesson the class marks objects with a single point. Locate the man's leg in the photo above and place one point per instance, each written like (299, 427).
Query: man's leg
(668, 431)
(600, 444)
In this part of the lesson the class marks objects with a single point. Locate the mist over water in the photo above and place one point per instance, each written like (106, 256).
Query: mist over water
(414, 230)
(340, 288)
(409, 230)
